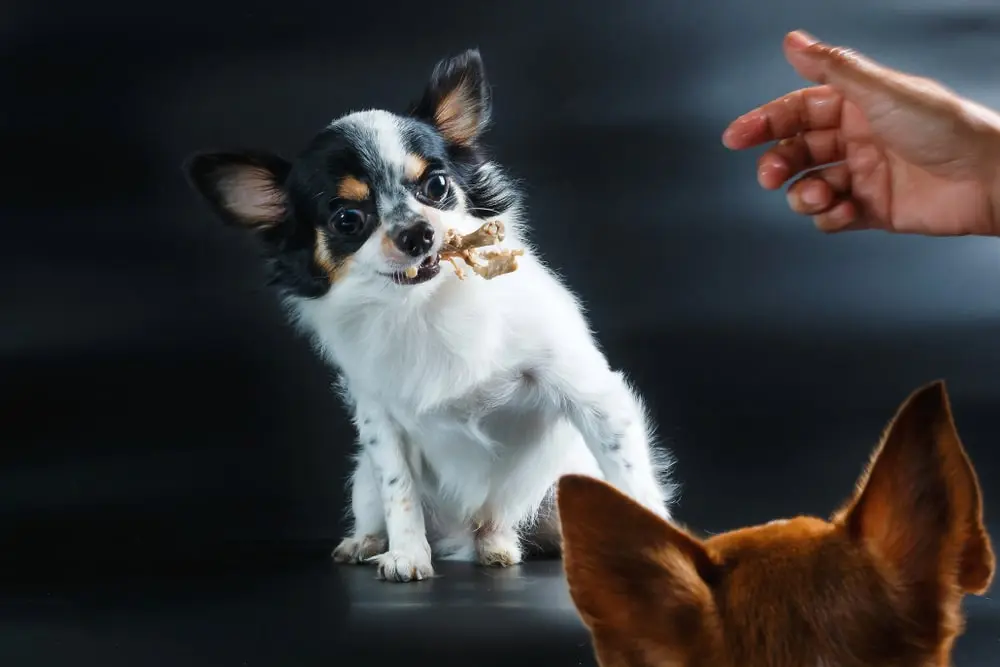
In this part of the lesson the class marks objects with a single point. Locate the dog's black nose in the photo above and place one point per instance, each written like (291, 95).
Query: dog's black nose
(416, 240)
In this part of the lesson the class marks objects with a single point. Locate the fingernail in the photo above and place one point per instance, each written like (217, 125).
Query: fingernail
(801, 39)
(807, 37)
(728, 136)
(770, 173)
(811, 195)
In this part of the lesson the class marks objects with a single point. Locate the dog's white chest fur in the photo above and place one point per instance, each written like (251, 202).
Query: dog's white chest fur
(461, 373)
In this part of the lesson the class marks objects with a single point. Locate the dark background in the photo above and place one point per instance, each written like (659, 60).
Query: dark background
(171, 459)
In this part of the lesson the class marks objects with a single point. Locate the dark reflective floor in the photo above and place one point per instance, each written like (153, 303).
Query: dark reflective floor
(290, 615)
(156, 410)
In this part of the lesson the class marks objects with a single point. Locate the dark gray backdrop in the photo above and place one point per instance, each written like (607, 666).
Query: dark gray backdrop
(154, 402)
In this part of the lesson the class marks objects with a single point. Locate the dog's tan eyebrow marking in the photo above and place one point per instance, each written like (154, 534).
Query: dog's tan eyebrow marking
(414, 167)
(353, 189)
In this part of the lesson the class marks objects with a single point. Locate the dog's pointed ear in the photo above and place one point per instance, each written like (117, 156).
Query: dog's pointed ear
(245, 189)
(639, 583)
(457, 99)
(918, 507)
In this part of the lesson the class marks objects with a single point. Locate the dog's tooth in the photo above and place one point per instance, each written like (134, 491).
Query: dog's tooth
(411, 272)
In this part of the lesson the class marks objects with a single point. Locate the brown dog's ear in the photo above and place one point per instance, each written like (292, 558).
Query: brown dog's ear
(244, 189)
(918, 507)
(639, 583)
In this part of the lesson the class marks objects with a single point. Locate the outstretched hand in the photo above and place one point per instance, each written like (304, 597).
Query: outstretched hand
(887, 150)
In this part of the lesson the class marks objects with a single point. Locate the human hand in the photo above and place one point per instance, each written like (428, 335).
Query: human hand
(914, 157)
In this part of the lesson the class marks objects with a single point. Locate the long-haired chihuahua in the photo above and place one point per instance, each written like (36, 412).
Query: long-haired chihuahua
(470, 397)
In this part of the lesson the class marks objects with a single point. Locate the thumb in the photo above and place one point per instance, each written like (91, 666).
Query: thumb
(859, 78)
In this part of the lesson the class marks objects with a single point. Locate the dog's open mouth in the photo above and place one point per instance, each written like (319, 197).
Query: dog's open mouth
(415, 275)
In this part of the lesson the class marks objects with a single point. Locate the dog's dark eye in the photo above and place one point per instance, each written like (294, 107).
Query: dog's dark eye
(348, 221)
(434, 187)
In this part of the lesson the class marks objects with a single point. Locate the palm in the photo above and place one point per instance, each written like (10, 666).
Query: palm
(902, 182)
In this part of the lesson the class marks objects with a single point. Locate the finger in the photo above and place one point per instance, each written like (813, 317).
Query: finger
(861, 79)
(805, 110)
(792, 156)
(819, 191)
(845, 216)
(825, 194)
(822, 63)
(806, 55)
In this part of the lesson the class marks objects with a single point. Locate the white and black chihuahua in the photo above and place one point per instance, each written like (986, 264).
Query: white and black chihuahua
(470, 397)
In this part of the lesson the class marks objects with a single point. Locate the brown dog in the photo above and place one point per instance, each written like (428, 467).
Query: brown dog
(879, 585)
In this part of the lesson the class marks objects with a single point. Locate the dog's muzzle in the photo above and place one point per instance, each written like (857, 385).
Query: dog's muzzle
(414, 241)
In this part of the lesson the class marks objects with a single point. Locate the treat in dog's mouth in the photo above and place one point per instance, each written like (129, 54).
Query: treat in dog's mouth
(473, 249)
(487, 264)
(414, 275)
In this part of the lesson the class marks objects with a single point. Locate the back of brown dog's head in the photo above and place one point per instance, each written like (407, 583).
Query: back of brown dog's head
(879, 585)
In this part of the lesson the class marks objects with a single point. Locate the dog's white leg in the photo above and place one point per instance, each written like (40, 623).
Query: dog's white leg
(614, 425)
(460, 545)
(409, 554)
(497, 545)
(368, 537)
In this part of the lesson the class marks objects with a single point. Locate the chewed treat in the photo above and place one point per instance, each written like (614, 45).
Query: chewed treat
(488, 264)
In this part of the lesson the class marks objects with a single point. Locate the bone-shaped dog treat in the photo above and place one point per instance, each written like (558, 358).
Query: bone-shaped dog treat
(487, 264)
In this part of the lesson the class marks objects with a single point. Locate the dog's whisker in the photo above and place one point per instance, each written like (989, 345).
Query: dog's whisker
(487, 211)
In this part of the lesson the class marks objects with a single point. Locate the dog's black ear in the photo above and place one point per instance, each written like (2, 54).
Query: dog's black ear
(245, 189)
(457, 99)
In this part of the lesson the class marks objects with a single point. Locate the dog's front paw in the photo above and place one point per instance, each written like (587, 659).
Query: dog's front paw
(498, 549)
(357, 550)
(403, 566)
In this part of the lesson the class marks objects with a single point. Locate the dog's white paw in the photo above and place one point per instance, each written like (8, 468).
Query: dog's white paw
(357, 550)
(403, 566)
(498, 549)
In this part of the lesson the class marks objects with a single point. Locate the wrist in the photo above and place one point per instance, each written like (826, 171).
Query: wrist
(990, 131)
(995, 192)
(981, 129)
(995, 205)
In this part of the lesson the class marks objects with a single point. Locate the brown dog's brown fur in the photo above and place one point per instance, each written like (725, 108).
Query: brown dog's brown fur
(878, 585)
